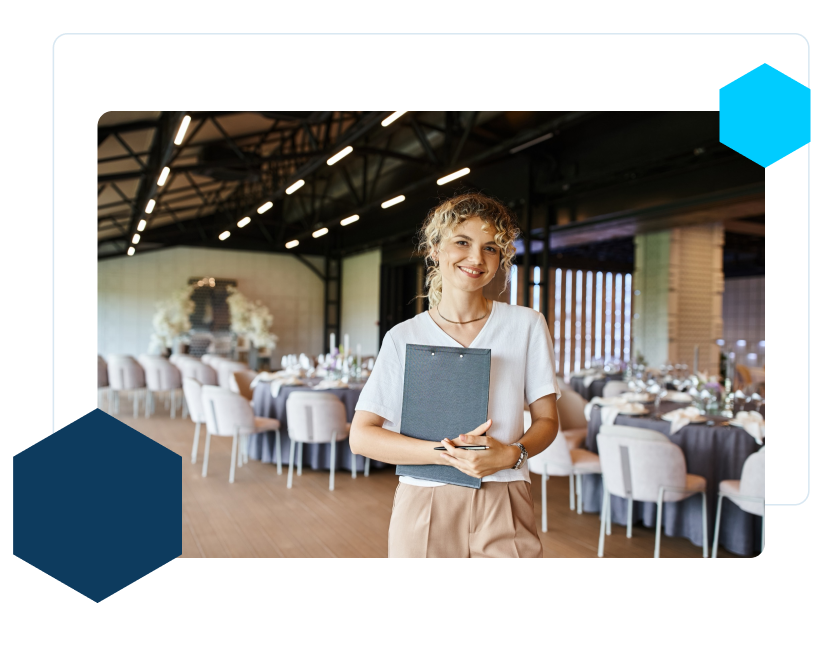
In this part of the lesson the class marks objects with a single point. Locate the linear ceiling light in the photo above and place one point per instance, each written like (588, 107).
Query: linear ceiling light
(392, 118)
(224, 235)
(131, 251)
(295, 186)
(320, 232)
(184, 126)
(265, 207)
(164, 174)
(141, 226)
(150, 206)
(393, 201)
(350, 220)
(453, 176)
(243, 222)
(135, 239)
(530, 143)
(292, 243)
(340, 154)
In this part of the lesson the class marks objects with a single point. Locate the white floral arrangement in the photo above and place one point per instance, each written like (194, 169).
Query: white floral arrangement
(172, 318)
(251, 319)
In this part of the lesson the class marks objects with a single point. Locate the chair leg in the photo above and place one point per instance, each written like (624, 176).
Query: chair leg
(571, 492)
(173, 403)
(609, 515)
(366, 467)
(206, 453)
(300, 458)
(234, 441)
(543, 480)
(184, 408)
(717, 526)
(705, 529)
(240, 450)
(630, 518)
(659, 523)
(579, 484)
(148, 396)
(291, 463)
(195, 443)
(603, 515)
(277, 449)
(333, 462)
(136, 403)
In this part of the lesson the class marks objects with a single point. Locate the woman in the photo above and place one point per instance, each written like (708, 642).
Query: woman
(467, 240)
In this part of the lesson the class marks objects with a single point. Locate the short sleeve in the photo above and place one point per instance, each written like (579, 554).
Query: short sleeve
(383, 391)
(540, 377)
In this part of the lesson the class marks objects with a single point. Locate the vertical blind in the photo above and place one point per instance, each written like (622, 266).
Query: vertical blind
(589, 315)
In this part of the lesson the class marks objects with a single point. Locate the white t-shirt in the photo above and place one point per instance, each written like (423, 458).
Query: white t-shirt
(522, 368)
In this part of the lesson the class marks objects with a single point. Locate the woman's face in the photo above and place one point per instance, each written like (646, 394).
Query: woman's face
(470, 257)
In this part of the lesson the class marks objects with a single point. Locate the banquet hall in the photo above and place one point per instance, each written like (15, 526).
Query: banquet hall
(251, 263)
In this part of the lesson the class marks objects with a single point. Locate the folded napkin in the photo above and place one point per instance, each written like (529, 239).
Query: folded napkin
(677, 397)
(681, 417)
(583, 372)
(636, 396)
(591, 378)
(287, 381)
(598, 400)
(752, 423)
(262, 377)
(331, 384)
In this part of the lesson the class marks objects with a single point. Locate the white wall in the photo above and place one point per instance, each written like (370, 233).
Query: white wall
(128, 289)
(361, 301)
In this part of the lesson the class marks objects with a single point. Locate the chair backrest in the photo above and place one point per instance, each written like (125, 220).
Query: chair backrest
(102, 372)
(636, 462)
(570, 410)
(224, 369)
(312, 416)
(225, 411)
(753, 482)
(125, 373)
(192, 390)
(161, 375)
(614, 388)
(201, 372)
(744, 374)
(240, 383)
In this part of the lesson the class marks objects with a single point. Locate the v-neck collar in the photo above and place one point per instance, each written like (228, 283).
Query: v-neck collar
(438, 328)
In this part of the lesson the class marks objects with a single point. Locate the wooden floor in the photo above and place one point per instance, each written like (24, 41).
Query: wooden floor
(258, 517)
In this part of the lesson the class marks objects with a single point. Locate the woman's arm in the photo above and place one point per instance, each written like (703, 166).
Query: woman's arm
(369, 438)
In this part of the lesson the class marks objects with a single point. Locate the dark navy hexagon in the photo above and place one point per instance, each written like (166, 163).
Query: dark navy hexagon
(97, 505)
(765, 115)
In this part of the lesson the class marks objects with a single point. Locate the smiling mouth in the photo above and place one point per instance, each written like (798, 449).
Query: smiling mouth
(471, 273)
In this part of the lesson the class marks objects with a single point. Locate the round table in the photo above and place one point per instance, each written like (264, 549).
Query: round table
(714, 452)
(315, 455)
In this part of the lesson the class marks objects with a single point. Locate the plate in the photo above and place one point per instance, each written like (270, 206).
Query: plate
(634, 413)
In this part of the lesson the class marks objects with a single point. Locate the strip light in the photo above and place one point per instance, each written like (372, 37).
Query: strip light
(135, 239)
(224, 235)
(265, 207)
(453, 176)
(150, 206)
(184, 126)
(350, 220)
(295, 186)
(141, 226)
(393, 201)
(531, 143)
(391, 118)
(164, 174)
(243, 222)
(292, 243)
(131, 251)
(320, 232)
(340, 154)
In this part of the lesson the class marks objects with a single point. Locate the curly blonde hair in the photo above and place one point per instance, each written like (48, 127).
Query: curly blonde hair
(442, 221)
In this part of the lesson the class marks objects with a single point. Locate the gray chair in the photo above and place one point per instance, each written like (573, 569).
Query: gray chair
(748, 493)
(125, 374)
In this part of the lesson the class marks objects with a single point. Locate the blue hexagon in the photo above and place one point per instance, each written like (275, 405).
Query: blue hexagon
(97, 505)
(765, 115)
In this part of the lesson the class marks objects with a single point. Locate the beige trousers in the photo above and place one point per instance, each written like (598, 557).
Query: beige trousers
(496, 520)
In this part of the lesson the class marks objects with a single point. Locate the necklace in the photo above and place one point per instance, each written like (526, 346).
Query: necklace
(468, 322)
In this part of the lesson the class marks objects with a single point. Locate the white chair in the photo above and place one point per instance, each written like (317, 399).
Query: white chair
(614, 388)
(161, 378)
(240, 383)
(749, 493)
(225, 369)
(315, 417)
(229, 414)
(102, 379)
(642, 465)
(125, 374)
(194, 368)
(192, 390)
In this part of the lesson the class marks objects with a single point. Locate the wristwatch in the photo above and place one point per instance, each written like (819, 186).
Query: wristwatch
(523, 456)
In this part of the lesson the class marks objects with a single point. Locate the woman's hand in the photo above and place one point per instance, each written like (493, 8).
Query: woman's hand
(479, 463)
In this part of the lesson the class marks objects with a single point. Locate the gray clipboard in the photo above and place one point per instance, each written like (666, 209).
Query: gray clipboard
(445, 393)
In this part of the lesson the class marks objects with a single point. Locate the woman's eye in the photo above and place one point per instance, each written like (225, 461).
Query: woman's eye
(493, 250)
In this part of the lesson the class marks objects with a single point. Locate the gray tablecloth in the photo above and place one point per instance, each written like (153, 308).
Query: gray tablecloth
(595, 388)
(716, 453)
(315, 455)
